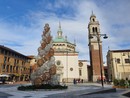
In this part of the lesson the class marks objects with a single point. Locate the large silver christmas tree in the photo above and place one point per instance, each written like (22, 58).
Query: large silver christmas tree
(46, 71)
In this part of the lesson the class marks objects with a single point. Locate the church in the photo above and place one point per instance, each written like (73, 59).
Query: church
(66, 60)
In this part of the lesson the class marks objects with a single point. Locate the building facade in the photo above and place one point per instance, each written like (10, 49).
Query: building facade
(95, 48)
(66, 58)
(14, 64)
(118, 62)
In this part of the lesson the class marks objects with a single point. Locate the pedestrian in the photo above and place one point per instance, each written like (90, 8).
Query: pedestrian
(82, 81)
(74, 81)
(126, 82)
(63, 82)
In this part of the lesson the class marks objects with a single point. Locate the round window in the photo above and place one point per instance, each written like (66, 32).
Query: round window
(58, 62)
(80, 64)
(71, 69)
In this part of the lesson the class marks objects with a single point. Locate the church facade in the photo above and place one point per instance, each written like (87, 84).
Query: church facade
(66, 60)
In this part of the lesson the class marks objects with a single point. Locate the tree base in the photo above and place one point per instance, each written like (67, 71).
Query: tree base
(41, 87)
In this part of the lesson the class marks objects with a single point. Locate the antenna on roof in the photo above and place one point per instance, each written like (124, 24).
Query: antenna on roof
(59, 25)
(74, 41)
(108, 48)
(66, 38)
(92, 12)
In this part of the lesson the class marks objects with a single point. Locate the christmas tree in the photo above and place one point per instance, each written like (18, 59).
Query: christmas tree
(46, 71)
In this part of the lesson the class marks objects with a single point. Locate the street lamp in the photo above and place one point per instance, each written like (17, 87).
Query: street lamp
(115, 61)
(67, 65)
(98, 36)
(123, 64)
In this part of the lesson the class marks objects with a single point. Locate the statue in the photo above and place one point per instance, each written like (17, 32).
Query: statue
(46, 71)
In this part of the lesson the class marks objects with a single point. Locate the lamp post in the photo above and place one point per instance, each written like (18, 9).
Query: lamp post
(98, 36)
(114, 60)
(123, 64)
(67, 64)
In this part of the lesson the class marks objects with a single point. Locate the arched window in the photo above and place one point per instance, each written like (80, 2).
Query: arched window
(93, 19)
(3, 66)
(17, 69)
(7, 68)
(80, 72)
(10, 68)
(118, 60)
(14, 69)
(93, 29)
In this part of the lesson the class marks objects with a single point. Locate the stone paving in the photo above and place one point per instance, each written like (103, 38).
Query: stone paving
(73, 91)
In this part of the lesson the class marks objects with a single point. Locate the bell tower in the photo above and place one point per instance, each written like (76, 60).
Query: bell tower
(95, 48)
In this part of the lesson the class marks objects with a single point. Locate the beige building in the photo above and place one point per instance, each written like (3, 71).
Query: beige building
(14, 64)
(118, 62)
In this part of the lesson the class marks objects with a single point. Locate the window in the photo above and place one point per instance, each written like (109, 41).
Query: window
(80, 64)
(7, 68)
(127, 61)
(4, 66)
(80, 72)
(93, 29)
(17, 61)
(58, 62)
(8, 59)
(17, 69)
(71, 69)
(118, 60)
(10, 68)
(5, 59)
(14, 61)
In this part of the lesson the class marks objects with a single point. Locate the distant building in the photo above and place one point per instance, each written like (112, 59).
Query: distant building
(33, 63)
(118, 62)
(14, 64)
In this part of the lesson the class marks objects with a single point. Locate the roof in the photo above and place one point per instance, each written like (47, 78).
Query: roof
(126, 50)
(11, 50)
(83, 60)
(31, 56)
(59, 39)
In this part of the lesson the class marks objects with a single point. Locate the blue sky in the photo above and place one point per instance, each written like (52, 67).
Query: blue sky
(22, 22)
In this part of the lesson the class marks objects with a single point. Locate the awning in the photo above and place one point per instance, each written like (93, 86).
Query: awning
(4, 75)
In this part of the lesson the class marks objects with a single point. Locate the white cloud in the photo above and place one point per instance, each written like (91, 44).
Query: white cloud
(75, 26)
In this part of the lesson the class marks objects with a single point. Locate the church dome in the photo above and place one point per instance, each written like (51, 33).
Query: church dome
(58, 39)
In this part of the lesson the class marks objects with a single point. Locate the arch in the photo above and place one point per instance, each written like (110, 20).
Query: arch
(7, 68)
(11, 68)
(16, 69)
(4, 66)
(93, 29)
(93, 19)
(96, 29)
